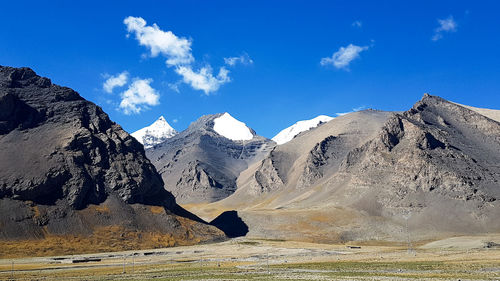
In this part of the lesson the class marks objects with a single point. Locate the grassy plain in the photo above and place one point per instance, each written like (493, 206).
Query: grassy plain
(254, 259)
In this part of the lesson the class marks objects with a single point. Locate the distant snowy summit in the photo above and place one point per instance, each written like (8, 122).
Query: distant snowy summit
(228, 127)
(289, 133)
(155, 134)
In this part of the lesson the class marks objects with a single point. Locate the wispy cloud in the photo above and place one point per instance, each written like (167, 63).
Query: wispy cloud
(445, 25)
(353, 110)
(175, 86)
(112, 82)
(139, 96)
(243, 59)
(178, 54)
(357, 24)
(344, 56)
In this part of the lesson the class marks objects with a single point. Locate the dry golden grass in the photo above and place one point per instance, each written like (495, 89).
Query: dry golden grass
(109, 238)
(157, 209)
(36, 211)
(104, 239)
(100, 208)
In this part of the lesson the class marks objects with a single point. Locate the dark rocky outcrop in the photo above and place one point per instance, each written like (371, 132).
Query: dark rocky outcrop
(61, 156)
(58, 146)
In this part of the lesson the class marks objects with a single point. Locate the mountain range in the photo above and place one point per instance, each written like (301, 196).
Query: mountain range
(67, 172)
(367, 175)
(425, 173)
(202, 163)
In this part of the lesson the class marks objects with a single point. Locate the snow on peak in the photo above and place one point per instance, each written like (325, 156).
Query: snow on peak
(154, 134)
(228, 127)
(289, 133)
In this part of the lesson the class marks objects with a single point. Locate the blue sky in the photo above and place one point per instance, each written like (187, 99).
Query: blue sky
(301, 58)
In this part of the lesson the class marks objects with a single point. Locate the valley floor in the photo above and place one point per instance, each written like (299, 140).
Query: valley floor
(464, 258)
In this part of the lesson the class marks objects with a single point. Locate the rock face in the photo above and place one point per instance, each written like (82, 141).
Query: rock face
(312, 155)
(61, 155)
(58, 146)
(437, 148)
(200, 165)
(429, 172)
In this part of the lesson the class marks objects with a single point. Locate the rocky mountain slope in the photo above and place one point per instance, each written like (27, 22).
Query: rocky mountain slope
(67, 169)
(155, 133)
(490, 113)
(429, 172)
(201, 164)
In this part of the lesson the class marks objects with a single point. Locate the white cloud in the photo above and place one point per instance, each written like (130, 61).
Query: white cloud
(115, 81)
(176, 50)
(357, 24)
(343, 57)
(139, 96)
(445, 25)
(359, 108)
(203, 79)
(243, 59)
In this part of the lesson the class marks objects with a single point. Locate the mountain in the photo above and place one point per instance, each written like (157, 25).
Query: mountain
(155, 133)
(289, 133)
(71, 176)
(426, 173)
(201, 164)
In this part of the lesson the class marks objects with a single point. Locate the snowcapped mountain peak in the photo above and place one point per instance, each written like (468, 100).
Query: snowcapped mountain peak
(154, 134)
(289, 133)
(227, 126)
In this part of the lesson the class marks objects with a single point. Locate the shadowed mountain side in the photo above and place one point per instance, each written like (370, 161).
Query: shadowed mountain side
(231, 224)
(67, 170)
(427, 173)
